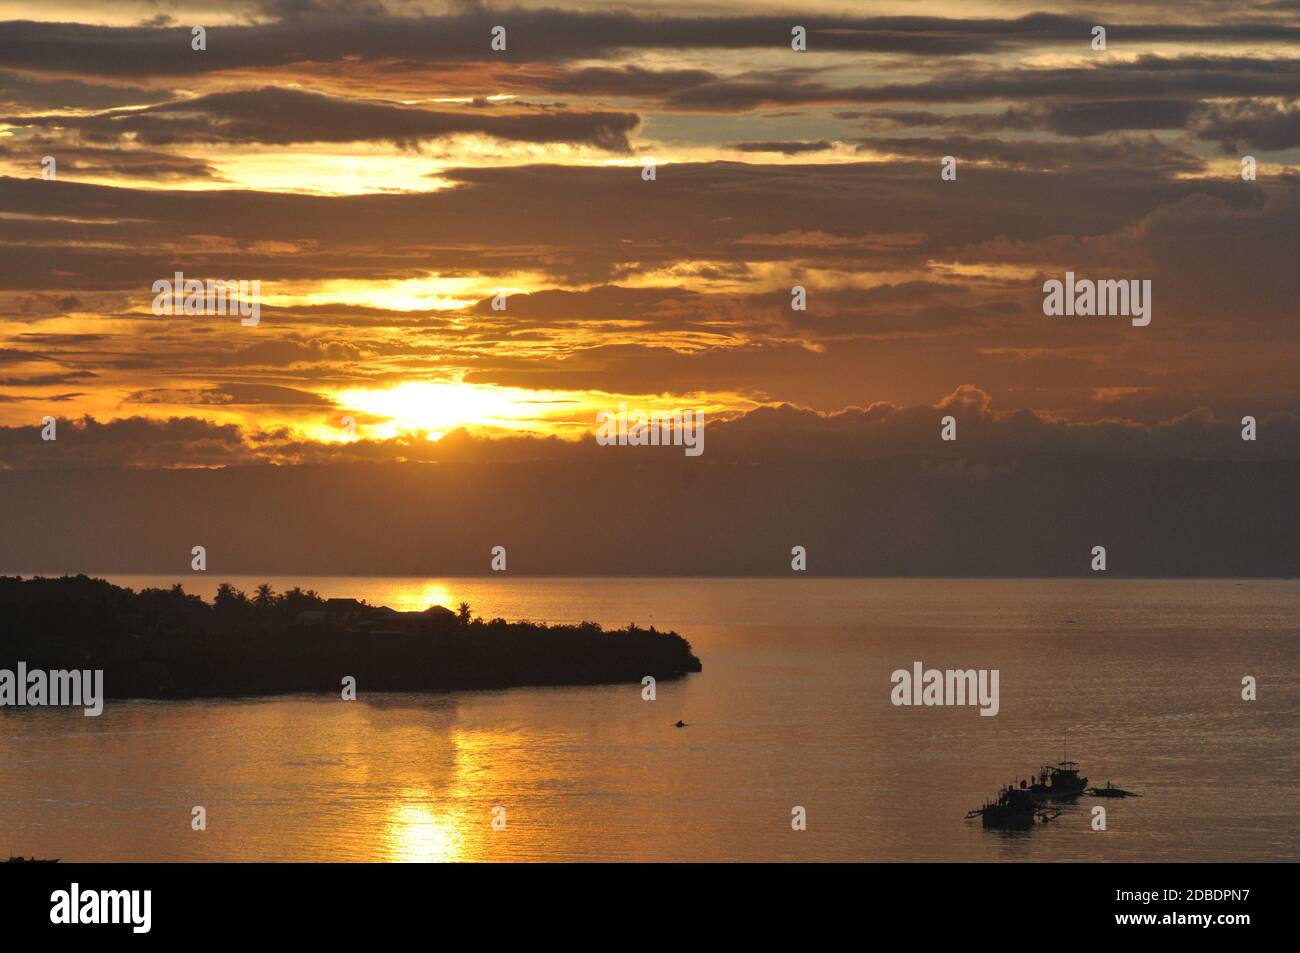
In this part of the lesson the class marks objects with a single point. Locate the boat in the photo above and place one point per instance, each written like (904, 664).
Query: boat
(1111, 791)
(1057, 782)
(1013, 808)
(31, 860)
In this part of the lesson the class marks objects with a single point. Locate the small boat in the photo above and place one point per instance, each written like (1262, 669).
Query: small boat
(1111, 791)
(1013, 808)
(31, 860)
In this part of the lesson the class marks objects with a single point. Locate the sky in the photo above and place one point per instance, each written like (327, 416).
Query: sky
(386, 176)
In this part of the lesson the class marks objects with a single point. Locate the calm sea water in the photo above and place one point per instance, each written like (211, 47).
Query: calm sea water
(792, 708)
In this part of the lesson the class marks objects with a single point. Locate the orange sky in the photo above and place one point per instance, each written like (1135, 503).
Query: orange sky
(385, 174)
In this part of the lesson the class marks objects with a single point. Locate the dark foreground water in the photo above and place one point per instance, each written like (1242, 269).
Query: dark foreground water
(792, 709)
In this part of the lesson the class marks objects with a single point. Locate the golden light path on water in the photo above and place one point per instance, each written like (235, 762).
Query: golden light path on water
(452, 821)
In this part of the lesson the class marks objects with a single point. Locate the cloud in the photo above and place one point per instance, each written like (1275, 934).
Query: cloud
(21, 92)
(275, 116)
(233, 393)
(1148, 152)
(551, 35)
(881, 430)
(129, 442)
(304, 9)
(1250, 126)
(887, 430)
(1193, 78)
(574, 220)
(10, 355)
(1104, 165)
(672, 286)
(47, 380)
(1076, 119)
(287, 352)
(785, 148)
(81, 161)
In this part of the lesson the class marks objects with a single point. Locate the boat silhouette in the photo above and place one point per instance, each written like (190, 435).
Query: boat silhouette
(1014, 807)
(1111, 791)
(1057, 782)
(1021, 804)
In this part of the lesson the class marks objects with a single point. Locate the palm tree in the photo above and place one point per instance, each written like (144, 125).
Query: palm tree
(462, 613)
(265, 596)
(229, 598)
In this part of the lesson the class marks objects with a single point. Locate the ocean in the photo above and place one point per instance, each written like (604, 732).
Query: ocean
(1140, 681)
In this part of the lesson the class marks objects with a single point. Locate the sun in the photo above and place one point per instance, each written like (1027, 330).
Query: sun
(437, 408)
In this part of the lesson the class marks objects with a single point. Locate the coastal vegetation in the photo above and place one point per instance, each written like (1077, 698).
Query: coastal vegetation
(167, 643)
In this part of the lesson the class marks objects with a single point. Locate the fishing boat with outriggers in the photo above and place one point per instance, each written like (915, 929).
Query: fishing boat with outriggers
(1057, 782)
(1014, 807)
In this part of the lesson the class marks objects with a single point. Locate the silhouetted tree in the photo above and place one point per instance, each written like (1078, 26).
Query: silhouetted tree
(229, 599)
(462, 613)
(295, 600)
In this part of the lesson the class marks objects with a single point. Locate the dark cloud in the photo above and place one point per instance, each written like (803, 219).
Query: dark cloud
(887, 430)
(227, 394)
(1176, 79)
(9, 355)
(1036, 154)
(781, 432)
(1063, 119)
(52, 339)
(600, 303)
(21, 93)
(609, 80)
(47, 380)
(1245, 126)
(287, 352)
(43, 398)
(579, 222)
(131, 441)
(303, 9)
(555, 36)
(276, 116)
(74, 160)
(785, 148)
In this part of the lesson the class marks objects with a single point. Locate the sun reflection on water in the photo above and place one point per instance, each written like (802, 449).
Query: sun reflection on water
(416, 834)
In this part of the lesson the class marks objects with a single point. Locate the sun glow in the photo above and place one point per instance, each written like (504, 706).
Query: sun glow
(439, 407)
(436, 408)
